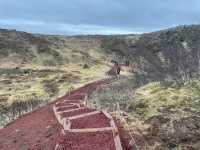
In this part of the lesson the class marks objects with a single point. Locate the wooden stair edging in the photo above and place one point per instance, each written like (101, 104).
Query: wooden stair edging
(68, 102)
(68, 106)
(66, 124)
(116, 137)
(66, 121)
(58, 117)
(71, 110)
(90, 130)
(84, 115)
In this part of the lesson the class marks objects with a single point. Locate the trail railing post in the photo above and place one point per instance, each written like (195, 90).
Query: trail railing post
(86, 99)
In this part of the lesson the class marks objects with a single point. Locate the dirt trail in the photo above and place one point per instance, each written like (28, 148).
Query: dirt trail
(65, 125)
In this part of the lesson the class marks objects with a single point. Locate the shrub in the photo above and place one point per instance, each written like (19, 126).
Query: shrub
(16, 109)
(86, 66)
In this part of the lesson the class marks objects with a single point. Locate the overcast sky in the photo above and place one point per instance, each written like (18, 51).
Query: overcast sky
(97, 16)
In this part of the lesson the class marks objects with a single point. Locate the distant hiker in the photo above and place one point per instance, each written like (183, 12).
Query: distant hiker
(118, 70)
(127, 63)
(115, 70)
(114, 62)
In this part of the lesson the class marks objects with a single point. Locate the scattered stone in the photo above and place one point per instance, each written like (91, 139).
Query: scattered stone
(15, 141)
(48, 127)
(17, 130)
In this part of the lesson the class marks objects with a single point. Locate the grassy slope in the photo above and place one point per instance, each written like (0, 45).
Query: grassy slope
(39, 68)
(156, 109)
(165, 113)
(161, 101)
(170, 54)
(157, 95)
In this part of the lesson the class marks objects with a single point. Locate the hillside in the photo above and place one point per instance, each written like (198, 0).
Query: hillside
(25, 48)
(158, 102)
(35, 69)
(170, 54)
(167, 54)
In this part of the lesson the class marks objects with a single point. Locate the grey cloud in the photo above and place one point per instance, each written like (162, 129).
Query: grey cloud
(108, 14)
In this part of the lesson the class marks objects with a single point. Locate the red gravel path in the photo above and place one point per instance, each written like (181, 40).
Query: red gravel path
(39, 130)
(94, 121)
(83, 141)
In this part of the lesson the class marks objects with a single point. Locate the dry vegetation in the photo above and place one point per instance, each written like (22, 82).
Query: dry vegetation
(22, 90)
(26, 89)
(35, 69)
(165, 115)
(159, 104)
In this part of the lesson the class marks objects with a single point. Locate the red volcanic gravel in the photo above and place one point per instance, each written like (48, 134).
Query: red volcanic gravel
(34, 131)
(87, 141)
(93, 121)
(66, 108)
(76, 97)
(76, 112)
(65, 103)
